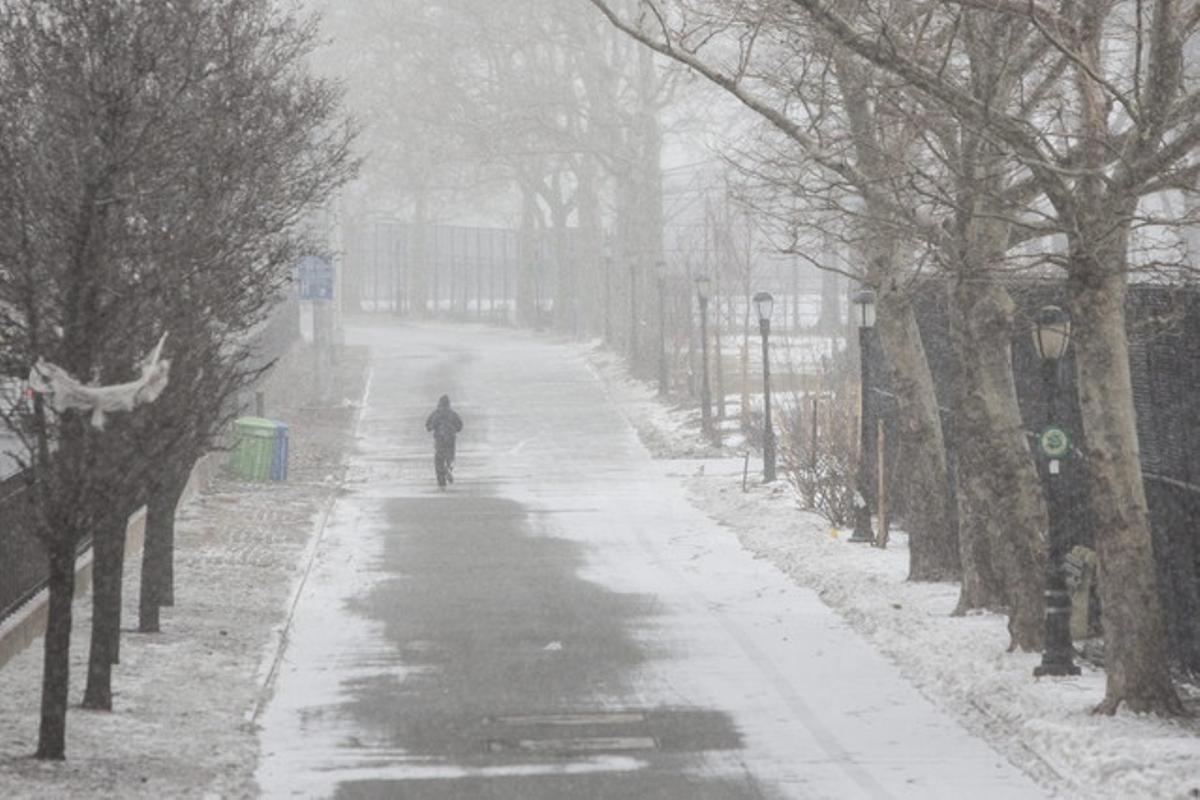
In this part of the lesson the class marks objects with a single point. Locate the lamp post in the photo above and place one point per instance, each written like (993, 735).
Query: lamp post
(1051, 335)
(864, 302)
(608, 290)
(661, 273)
(703, 287)
(763, 303)
(634, 356)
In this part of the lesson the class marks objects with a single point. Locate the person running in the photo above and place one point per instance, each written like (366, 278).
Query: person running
(445, 424)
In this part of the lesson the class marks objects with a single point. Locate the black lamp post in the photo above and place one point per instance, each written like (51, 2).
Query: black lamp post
(608, 259)
(763, 303)
(1051, 335)
(864, 302)
(703, 287)
(661, 273)
(635, 358)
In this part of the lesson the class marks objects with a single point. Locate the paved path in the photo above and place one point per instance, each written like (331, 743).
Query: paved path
(562, 624)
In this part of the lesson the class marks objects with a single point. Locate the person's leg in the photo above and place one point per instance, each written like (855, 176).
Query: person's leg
(439, 466)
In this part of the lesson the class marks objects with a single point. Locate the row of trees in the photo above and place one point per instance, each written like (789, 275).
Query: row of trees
(158, 161)
(528, 106)
(976, 140)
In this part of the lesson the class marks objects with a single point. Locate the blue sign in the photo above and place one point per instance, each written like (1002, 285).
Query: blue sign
(315, 278)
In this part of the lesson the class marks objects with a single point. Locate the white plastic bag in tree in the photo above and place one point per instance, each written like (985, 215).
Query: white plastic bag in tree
(65, 392)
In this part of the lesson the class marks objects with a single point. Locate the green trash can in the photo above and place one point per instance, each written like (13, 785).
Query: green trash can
(253, 448)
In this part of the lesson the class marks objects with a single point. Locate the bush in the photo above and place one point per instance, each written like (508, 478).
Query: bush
(823, 471)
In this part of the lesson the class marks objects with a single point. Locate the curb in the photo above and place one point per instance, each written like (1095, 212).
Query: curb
(266, 680)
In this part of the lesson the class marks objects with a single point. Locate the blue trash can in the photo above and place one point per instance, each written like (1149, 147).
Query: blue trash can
(279, 457)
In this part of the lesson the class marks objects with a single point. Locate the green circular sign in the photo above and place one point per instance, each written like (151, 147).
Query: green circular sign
(1054, 442)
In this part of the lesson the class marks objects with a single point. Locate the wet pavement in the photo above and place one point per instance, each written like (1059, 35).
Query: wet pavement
(560, 623)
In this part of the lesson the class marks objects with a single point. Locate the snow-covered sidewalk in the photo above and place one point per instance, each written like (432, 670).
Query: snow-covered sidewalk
(183, 705)
(1044, 726)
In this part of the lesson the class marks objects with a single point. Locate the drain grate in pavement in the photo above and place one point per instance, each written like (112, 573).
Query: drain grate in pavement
(583, 744)
(611, 718)
(584, 740)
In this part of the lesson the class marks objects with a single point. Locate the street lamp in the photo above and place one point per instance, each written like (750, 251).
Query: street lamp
(864, 302)
(763, 303)
(661, 272)
(608, 259)
(1051, 335)
(703, 288)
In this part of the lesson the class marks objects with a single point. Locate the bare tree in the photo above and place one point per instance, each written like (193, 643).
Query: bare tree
(105, 132)
(1094, 187)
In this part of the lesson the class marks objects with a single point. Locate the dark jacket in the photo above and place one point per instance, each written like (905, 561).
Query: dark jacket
(444, 423)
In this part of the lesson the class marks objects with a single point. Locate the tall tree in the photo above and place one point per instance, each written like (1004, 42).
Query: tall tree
(102, 138)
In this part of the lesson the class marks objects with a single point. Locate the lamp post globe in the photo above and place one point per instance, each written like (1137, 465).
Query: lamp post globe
(864, 299)
(1051, 337)
(764, 303)
(864, 314)
(1051, 332)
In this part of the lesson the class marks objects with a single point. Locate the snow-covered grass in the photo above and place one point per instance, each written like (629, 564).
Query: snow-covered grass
(183, 700)
(1044, 726)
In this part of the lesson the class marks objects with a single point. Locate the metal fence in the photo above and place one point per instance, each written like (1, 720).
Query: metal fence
(23, 560)
(467, 270)
(1163, 325)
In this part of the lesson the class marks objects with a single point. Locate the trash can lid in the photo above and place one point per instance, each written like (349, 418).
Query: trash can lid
(256, 423)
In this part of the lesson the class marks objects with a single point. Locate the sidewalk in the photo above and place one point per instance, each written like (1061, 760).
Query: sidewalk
(1043, 726)
(184, 699)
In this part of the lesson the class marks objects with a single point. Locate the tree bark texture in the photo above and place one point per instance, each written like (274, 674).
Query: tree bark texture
(1135, 660)
(52, 733)
(1001, 512)
(108, 553)
(933, 542)
(158, 552)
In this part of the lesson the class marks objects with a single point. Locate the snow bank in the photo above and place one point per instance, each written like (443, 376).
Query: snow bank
(1044, 726)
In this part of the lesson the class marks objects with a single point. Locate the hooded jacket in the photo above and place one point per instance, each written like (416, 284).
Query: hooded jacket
(444, 423)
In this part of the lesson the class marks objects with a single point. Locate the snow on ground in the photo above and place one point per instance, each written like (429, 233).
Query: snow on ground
(1044, 726)
(183, 699)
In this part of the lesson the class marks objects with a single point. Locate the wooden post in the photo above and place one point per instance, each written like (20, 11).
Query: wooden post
(881, 538)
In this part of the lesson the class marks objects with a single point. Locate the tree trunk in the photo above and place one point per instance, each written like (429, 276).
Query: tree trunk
(526, 314)
(589, 269)
(1001, 512)
(108, 549)
(158, 552)
(830, 320)
(933, 542)
(417, 268)
(52, 733)
(1136, 658)
(744, 416)
(718, 359)
(565, 291)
